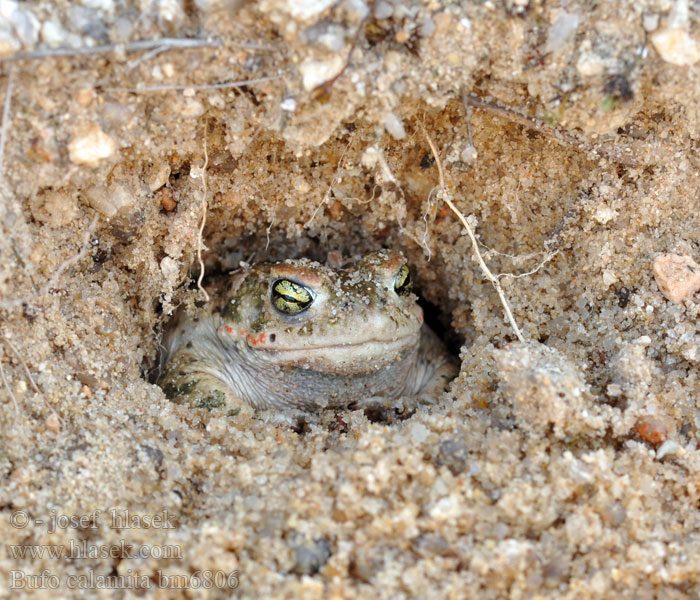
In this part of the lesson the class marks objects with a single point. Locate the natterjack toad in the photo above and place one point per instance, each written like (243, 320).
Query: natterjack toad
(299, 334)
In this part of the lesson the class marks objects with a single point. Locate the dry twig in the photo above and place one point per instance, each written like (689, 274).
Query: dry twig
(6, 119)
(137, 46)
(208, 86)
(560, 136)
(327, 195)
(444, 194)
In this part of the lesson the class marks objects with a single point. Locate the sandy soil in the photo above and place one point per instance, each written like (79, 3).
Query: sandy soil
(565, 466)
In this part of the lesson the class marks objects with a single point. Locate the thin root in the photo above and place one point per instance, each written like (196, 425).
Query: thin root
(327, 195)
(8, 388)
(35, 387)
(444, 194)
(204, 216)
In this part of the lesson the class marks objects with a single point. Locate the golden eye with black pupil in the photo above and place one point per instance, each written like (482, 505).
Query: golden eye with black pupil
(290, 298)
(403, 284)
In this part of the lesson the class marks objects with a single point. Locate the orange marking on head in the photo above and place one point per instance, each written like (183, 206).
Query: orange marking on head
(228, 329)
(254, 340)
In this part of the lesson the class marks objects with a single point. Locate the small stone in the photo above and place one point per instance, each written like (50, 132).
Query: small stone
(609, 277)
(650, 22)
(668, 447)
(673, 42)
(90, 145)
(678, 277)
(289, 104)
(21, 21)
(652, 429)
(676, 46)
(306, 9)
(85, 96)
(383, 10)
(394, 126)
(109, 201)
(52, 423)
(167, 201)
(604, 214)
(157, 176)
(309, 557)
(169, 268)
(402, 36)
(8, 44)
(453, 454)
(316, 72)
(561, 30)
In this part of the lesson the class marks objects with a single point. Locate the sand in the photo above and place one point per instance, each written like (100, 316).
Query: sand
(563, 466)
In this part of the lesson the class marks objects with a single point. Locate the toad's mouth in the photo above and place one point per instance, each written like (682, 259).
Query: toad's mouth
(349, 358)
(387, 343)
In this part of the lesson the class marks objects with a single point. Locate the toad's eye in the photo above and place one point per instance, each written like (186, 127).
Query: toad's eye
(291, 298)
(403, 284)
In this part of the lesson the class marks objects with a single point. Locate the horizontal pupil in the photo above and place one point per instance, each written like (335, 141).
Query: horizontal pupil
(291, 299)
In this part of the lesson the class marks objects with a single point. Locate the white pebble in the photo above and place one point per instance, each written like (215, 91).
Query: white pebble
(668, 447)
(109, 201)
(289, 104)
(469, 154)
(609, 277)
(23, 22)
(393, 126)
(564, 26)
(316, 72)
(676, 46)
(169, 268)
(383, 10)
(650, 22)
(604, 214)
(673, 42)
(306, 9)
(90, 145)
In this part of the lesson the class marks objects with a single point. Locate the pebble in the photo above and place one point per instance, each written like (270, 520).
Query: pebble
(20, 21)
(673, 42)
(90, 146)
(678, 277)
(307, 9)
(109, 201)
(316, 72)
(652, 429)
(52, 423)
(169, 268)
(309, 557)
(676, 46)
(394, 126)
(564, 26)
